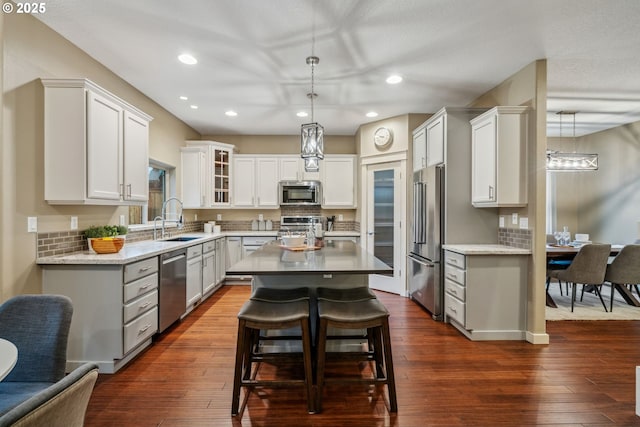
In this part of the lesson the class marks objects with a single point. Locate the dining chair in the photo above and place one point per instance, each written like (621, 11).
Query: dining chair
(624, 270)
(587, 268)
(38, 325)
(62, 404)
(556, 264)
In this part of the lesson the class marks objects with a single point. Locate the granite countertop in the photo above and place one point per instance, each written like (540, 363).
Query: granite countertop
(335, 257)
(486, 249)
(131, 252)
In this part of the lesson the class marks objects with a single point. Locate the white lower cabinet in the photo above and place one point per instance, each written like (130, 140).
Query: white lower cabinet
(208, 267)
(115, 309)
(194, 276)
(485, 295)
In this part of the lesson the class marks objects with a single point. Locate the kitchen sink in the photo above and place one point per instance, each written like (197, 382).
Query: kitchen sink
(181, 239)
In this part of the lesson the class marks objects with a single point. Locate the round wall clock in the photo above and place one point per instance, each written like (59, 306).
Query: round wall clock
(382, 137)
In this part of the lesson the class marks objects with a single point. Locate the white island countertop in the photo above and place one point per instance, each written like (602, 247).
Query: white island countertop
(486, 249)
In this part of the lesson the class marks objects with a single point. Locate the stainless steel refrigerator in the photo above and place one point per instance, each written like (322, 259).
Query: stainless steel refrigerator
(424, 268)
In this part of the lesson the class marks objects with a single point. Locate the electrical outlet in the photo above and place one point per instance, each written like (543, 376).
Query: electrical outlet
(219, 217)
(122, 220)
(74, 222)
(340, 217)
(260, 217)
(195, 217)
(32, 224)
(524, 222)
(514, 218)
(501, 221)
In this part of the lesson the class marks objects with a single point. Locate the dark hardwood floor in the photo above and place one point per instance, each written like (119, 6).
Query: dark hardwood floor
(585, 377)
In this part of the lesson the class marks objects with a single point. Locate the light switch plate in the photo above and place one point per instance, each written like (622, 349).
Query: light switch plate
(260, 217)
(501, 222)
(74, 223)
(514, 218)
(32, 224)
(219, 217)
(524, 222)
(122, 220)
(340, 217)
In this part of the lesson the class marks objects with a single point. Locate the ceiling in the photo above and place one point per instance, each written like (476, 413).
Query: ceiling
(251, 57)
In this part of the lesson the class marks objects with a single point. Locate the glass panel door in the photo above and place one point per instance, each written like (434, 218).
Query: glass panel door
(383, 218)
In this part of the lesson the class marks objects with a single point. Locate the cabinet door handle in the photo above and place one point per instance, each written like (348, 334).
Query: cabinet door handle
(491, 192)
(128, 191)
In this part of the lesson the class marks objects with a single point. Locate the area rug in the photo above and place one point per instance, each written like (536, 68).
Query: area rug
(591, 307)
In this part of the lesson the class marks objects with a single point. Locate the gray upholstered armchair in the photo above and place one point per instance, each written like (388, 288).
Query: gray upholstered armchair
(38, 325)
(63, 404)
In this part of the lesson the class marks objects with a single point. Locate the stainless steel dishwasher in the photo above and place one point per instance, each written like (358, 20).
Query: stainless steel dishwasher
(173, 287)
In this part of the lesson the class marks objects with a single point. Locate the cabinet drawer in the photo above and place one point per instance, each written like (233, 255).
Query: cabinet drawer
(140, 329)
(455, 274)
(194, 251)
(140, 269)
(453, 258)
(140, 287)
(140, 305)
(208, 246)
(454, 308)
(455, 289)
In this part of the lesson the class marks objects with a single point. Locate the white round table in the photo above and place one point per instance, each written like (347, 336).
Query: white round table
(8, 357)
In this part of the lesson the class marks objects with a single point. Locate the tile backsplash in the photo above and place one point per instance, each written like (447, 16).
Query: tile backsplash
(516, 237)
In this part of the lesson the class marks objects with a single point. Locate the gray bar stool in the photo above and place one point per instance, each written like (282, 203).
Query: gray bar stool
(367, 313)
(256, 315)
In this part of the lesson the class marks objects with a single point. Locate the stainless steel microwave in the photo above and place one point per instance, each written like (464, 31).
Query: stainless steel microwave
(296, 193)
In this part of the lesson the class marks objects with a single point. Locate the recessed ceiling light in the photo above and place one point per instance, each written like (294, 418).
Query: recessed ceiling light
(184, 98)
(302, 114)
(185, 58)
(194, 107)
(231, 113)
(372, 114)
(394, 79)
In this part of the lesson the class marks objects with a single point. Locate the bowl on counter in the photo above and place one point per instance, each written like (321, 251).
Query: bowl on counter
(293, 241)
(107, 245)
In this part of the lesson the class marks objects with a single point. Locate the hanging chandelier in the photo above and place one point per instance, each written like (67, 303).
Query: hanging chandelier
(312, 134)
(570, 162)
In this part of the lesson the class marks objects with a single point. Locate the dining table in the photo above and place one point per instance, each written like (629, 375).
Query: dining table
(8, 357)
(568, 252)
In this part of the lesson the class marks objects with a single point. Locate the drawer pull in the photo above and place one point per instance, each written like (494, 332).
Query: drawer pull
(145, 305)
(453, 309)
(144, 329)
(452, 292)
(144, 268)
(451, 275)
(145, 286)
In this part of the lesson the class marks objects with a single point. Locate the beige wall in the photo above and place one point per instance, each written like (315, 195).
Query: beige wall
(603, 203)
(32, 51)
(529, 87)
(283, 144)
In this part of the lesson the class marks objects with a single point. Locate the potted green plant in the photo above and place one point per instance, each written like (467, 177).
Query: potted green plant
(102, 231)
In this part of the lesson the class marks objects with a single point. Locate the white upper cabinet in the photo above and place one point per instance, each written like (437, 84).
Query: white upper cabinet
(292, 169)
(435, 140)
(338, 177)
(419, 149)
(96, 145)
(217, 174)
(255, 181)
(499, 157)
(193, 167)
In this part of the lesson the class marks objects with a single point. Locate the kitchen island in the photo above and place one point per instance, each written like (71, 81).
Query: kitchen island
(338, 263)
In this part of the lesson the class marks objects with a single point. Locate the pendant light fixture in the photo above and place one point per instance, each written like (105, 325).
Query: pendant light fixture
(312, 134)
(570, 162)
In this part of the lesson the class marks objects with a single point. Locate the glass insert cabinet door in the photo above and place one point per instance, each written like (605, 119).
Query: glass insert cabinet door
(220, 176)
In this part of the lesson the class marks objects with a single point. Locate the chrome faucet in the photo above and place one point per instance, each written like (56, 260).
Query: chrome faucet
(163, 217)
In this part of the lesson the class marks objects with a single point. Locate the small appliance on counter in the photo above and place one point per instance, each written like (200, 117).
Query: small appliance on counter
(301, 224)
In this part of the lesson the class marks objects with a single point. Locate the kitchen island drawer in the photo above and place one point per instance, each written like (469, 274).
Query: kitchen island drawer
(140, 269)
(140, 305)
(454, 308)
(455, 274)
(455, 289)
(140, 329)
(140, 287)
(455, 259)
